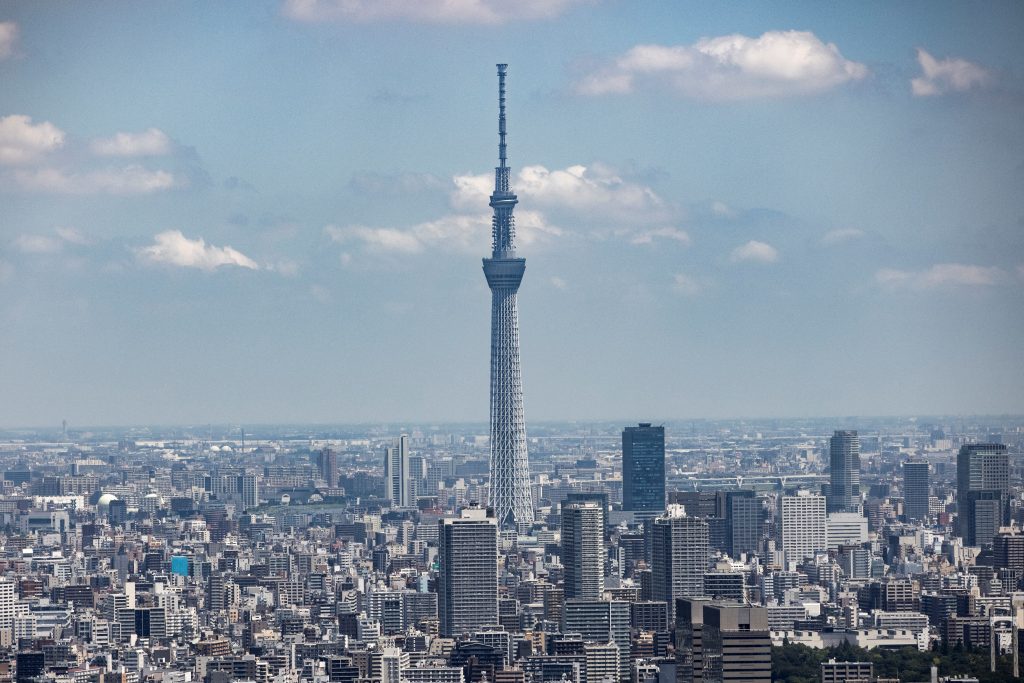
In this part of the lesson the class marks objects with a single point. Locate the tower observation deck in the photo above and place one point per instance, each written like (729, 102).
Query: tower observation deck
(510, 492)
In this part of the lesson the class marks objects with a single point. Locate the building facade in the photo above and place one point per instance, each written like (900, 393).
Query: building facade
(583, 550)
(679, 555)
(467, 581)
(982, 491)
(916, 490)
(844, 461)
(643, 470)
(802, 528)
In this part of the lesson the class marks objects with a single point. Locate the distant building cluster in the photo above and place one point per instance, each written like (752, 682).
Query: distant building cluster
(656, 555)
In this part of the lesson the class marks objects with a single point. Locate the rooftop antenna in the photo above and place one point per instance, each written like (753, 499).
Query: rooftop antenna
(502, 69)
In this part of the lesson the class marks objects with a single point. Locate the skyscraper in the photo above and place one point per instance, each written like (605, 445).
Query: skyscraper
(583, 549)
(802, 528)
(679, 556)
(643, 470)
(982, 491)
(396, 473)
(722, 642)
(249, 485)
(746, 523)
(467, 580)
(844, 457)
(736, 644)
(511, 497)
(327, 462)
(916, 490)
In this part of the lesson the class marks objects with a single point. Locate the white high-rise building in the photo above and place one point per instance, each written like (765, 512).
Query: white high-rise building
(396, 474)
(250, 491)
(802, 530)
(6, 603)
(846, 528)
(583, 551)
(679, 554)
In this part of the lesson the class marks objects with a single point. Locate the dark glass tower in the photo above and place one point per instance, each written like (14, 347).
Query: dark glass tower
(916, 489)
(982, 491)
(844, 457)
(643, 470)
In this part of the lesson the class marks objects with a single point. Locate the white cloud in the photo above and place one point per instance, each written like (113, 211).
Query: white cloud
(22, 141)
(754, 251)
(174, 249)
(427, 11)
(147, 143)
(37, 244)
(648, 236)
(841, 235)
(686, 285)
(942, 275)
(594, 191)
(722, 210)
(123, 181)
(733, 67)
(557, 282)
(72, 235)
(384, 239)
(594, 194)
(940, 76)
(469, 233)
(285, 267)
(8, 36)
(48, 244)
(320, 293)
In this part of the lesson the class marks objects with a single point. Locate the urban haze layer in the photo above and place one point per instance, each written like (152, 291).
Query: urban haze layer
(633, 551)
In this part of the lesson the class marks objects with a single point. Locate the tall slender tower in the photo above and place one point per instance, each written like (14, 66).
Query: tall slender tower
(844, 456)
(510, 466)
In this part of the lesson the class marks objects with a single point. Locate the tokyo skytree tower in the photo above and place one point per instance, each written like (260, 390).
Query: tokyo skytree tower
(511, 497)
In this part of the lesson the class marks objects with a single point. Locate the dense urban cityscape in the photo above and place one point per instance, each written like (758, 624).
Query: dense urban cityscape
(675, 552)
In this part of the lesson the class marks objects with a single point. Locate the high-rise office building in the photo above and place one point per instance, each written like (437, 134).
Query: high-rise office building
(327, 462)
(511, 496)
(718, 642)
(844, 458)
(802, 529)
(467, 580)
(249, 489)
(746, 523)
(916, 490)
(601, 621)
(982, 491)
(679, 555)
(643, 470)
(583, 551)
(396, 473)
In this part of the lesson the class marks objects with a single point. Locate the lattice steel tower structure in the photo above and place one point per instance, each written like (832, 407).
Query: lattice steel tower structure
(510, 466)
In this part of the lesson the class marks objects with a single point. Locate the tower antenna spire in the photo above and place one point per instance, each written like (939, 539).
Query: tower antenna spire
(502, 69)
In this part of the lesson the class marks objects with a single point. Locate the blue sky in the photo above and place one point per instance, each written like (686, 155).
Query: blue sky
(275, 211)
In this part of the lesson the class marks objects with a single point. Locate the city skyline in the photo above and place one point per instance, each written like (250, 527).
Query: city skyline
(730, 213)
